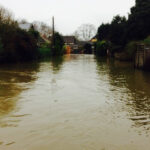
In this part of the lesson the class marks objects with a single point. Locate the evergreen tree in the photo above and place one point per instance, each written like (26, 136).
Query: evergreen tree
(139, 21)
(58, 44)
(122, 31)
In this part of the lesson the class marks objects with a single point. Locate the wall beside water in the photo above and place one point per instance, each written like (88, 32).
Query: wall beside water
(142, 58)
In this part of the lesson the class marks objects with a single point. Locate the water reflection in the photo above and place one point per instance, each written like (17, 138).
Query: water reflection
(57, 63)
(13, 80)
(130, 87)
(74, 103)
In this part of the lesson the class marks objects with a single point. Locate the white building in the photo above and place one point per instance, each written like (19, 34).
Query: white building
(25, 26)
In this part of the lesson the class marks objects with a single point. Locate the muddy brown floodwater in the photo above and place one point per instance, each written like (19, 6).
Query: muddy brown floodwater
(77, 102)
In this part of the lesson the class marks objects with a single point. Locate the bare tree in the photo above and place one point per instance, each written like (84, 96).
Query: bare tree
(43, 28)
(6, 16)
(85, 32)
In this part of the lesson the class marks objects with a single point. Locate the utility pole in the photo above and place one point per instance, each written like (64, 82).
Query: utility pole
(53, 34)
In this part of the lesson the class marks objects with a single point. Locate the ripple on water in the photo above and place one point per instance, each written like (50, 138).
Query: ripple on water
(81, 103)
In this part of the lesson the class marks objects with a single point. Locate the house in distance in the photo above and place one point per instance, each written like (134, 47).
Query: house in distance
(72, 43)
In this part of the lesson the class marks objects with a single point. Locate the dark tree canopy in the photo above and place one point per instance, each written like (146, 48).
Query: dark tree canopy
(114, 32)
(15, 44)
(103, 32)
(139, 20)
(121, 30)
(57, 45)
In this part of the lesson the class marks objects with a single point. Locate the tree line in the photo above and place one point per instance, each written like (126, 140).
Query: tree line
(122, 34)
(18, 45)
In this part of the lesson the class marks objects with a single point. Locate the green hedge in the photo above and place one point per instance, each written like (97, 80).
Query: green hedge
(45, 51)
(101, 48)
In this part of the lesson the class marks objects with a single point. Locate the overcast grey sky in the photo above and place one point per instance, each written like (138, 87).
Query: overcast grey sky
(69, 14)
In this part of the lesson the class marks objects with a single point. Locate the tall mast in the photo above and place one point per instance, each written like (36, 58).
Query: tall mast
(53, 34)
(53, 25)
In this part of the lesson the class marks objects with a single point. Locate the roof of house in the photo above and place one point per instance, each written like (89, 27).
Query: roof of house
(25, 26)
(69, 39)
(45, 38)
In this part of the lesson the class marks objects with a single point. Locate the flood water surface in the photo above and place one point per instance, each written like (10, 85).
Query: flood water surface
(77, 102)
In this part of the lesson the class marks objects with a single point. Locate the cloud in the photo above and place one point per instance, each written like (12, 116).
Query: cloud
(69, 14)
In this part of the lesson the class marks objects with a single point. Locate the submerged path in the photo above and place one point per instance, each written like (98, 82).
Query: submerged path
(78, 102)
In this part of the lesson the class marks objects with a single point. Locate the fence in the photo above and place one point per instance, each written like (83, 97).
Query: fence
(142, 57)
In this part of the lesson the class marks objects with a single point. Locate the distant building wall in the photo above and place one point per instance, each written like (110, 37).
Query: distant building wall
(71, 42)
